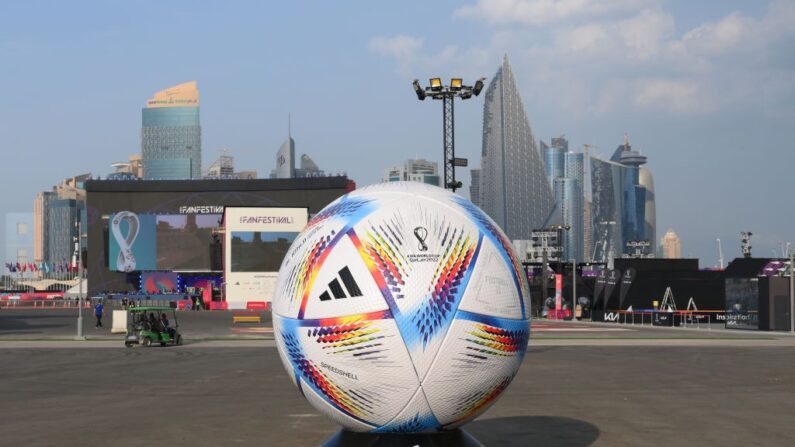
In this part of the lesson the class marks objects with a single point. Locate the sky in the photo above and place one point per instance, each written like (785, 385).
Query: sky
(705, 89)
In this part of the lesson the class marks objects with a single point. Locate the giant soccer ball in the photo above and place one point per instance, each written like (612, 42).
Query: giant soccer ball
(401, 308)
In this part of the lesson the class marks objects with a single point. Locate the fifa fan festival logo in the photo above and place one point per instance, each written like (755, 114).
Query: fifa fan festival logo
(421, 233)
(125, 261)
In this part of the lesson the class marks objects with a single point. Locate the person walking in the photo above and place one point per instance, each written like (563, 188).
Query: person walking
(98, 313)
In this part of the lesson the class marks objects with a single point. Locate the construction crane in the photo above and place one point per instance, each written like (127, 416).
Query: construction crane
(720, 254)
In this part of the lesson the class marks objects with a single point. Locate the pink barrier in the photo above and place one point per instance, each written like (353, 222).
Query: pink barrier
(218, 305)
(182, 304)
(559, 314)
(32, 296)
(257, 305)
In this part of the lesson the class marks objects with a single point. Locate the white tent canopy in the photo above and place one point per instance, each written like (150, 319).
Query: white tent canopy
(74, 292)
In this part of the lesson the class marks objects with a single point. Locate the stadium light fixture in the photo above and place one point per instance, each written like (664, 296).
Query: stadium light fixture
(419, 90)
(447, 93)
(478, 86)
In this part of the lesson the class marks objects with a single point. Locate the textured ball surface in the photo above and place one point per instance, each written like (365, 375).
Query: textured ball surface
(401, 308)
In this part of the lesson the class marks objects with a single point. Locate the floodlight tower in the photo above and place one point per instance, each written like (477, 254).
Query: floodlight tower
(745, 243)
(447, 93)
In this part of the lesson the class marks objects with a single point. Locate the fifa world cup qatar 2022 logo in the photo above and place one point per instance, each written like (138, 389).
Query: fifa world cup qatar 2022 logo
(421, 233)
(125, 261)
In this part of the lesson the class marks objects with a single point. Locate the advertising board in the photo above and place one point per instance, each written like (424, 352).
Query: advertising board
(256, 240)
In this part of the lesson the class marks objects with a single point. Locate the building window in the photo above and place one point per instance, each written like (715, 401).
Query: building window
(22, 229)
(22, 255)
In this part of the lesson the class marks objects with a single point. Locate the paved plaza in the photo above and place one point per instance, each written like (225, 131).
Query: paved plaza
(580, 385)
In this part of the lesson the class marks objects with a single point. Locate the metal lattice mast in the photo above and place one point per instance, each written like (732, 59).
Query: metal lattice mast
(448, 137)
(447, 94)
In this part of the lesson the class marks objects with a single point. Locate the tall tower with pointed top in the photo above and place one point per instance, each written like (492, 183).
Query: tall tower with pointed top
(514, 189)
(285, 158)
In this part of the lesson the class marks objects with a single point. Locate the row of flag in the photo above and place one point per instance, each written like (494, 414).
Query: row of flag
(46, 267)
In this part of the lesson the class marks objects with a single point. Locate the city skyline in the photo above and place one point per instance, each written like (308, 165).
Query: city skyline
(587, 74)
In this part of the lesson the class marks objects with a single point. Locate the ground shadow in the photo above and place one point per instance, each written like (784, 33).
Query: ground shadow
(24, 324)
(533, 431)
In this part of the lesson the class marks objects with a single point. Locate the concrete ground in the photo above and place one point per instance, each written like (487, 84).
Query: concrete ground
(35, 324)
(581, 384)
(205, 395)
(39, 324)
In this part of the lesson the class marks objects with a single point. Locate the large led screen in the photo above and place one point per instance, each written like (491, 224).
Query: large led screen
(160, 282)
(139, 242)
(131, 242)
(260, 251)
(184, 241)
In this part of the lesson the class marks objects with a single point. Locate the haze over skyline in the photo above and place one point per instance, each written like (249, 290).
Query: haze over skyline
(706, 91)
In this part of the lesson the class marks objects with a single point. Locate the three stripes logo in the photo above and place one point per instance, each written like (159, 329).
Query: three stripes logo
(336, 288)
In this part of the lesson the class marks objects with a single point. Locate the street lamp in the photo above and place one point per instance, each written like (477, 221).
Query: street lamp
(791, 292)
(446, 93)
(573, 289)
(79, 257)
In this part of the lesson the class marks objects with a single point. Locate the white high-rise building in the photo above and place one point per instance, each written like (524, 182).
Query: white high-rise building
(414, 170)
(514, 189)
(671, 245)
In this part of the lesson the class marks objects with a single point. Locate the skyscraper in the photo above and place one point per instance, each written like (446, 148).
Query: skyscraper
(634, 206)
(223, 167)
(650, 232)
(587, 230)
(566, 173)
(568, 196)
(607, 205)
(54, 216)
(671, 245)
(623, 206)
(514, 189)
(554, 158)
(573, 204)
(171, 147)
(285, 159)
(474, 186)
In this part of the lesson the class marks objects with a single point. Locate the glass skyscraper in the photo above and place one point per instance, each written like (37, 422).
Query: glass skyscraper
(634, 209)
(623, 203)
(514, 189)
(554, 160)
(607, 208)
(171, 145)
(566, 173)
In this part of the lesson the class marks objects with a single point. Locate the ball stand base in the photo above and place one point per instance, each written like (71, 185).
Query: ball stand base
(457, 438)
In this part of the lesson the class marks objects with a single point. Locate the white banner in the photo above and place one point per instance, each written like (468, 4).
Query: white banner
(255, 242)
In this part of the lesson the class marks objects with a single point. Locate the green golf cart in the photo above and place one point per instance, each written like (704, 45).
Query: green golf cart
(145, 326)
